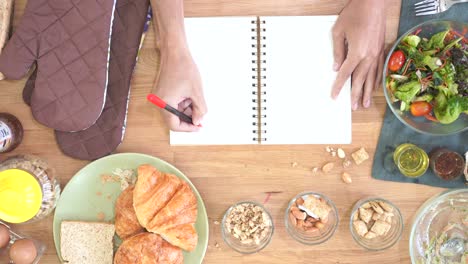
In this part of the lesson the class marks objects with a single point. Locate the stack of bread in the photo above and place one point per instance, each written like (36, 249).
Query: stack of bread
(155, 219)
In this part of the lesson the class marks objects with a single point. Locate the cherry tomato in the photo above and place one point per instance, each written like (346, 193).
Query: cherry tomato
(420, 108)
(396, 61)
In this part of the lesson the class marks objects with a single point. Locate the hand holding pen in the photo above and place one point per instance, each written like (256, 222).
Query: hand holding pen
(183, 114)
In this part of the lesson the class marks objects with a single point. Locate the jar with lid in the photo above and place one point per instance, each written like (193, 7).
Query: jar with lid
(446, 164)
(11, 132)
(29, 189)
(411, 160)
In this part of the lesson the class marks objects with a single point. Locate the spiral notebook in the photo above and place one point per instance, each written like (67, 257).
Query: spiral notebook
(267, 80)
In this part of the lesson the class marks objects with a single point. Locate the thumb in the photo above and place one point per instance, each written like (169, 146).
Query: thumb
(16, 59)
(199, 109)
(339, 47)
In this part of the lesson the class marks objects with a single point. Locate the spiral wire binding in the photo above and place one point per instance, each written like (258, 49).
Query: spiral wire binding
(259, 80)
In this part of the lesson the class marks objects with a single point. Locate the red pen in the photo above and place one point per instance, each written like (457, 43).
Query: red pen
(160, 103)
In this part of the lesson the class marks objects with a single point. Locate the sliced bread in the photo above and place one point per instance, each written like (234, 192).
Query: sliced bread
(86, 242)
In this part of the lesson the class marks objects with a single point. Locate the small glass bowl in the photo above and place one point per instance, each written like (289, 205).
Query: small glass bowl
(380, 242)
(235, 243)
(323, 234)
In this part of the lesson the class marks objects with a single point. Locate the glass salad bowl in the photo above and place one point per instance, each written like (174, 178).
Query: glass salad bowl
(421, 123)
(439, 233)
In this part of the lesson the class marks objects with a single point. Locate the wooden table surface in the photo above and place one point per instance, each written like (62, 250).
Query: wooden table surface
(226, 174)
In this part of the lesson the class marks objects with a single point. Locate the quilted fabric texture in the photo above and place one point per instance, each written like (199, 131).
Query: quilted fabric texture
(131, 19)
(69, 41)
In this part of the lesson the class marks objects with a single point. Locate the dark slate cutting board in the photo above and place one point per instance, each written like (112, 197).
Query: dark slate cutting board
(384, 167)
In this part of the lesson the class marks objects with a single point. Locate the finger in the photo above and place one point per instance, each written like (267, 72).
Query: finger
(339, 47)
(343, 75)
(359, 76)
(175, 124)
(199, 109)
(379, 73)
(184, 104)
(369, 85)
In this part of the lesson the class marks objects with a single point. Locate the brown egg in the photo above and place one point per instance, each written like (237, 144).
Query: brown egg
(4, 236)
(23, 251)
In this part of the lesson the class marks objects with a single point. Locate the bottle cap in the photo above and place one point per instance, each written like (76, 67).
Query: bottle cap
(20, 196)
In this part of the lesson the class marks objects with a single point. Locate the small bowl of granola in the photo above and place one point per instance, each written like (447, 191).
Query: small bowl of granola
(376, 224)
(247, 227)
(311, 218)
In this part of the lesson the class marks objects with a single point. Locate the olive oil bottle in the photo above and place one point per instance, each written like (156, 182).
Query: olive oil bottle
(411, 160)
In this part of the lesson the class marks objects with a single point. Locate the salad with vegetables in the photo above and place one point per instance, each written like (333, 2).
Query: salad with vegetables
(429, 77)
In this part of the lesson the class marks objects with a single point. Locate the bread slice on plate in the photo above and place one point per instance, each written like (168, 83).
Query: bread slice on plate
(86, 242)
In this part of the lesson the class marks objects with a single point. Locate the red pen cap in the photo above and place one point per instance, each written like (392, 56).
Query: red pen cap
(156, 100)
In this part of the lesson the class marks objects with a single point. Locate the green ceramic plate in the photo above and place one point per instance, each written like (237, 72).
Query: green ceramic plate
(85, 197)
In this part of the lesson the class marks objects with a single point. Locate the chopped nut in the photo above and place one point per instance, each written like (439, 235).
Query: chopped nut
(360, 227)
(341, 153)
(294, 164)
(216, 222)
(216, 245)
(314, 170)
(346, 163)
(346, 177)
(365, 214)
(386, 206)
(292, 219)
(360, 156)
(311, 219)
(328, 167)
(333, 153)
(380, 227)
(318, 207)
(370, 235)
(248, 222)
(328, 149)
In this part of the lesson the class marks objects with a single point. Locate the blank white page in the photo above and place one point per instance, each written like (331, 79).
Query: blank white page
(222, 49)
(299, 77)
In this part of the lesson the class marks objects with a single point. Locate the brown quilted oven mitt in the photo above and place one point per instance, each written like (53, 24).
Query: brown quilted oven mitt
(69, 41)
(131, 19)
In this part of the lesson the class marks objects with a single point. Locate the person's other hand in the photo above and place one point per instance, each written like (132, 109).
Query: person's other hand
(179, 85)
(358, 44)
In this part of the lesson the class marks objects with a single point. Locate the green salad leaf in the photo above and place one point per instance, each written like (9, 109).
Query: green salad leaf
(437, 40)
(448, 110)
(407, 91)
(412, 40)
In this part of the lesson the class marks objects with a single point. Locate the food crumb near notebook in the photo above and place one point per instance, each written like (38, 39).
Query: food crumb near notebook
(267, 80)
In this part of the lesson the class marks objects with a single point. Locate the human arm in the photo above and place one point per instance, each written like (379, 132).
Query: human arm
(178, 82)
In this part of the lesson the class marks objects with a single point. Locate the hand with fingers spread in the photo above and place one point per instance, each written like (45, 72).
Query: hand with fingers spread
(358, 43)
(178, 82)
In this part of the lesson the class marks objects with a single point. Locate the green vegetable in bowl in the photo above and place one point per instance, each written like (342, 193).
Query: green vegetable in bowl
(434, 71)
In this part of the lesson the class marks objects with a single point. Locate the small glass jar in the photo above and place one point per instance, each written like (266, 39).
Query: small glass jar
(411, 160)
(11, 132)
(29, 189)
(446, 164)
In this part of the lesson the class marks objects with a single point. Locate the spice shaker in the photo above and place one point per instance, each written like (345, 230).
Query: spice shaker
(11, 132)
(28, 189)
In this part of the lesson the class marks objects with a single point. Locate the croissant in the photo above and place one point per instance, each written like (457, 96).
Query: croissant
(147, 248)
(126, 222)
(167, 206)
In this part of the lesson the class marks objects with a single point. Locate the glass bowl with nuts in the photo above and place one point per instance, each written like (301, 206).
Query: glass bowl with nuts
(247, 227)
(376, 224)
(311, 218)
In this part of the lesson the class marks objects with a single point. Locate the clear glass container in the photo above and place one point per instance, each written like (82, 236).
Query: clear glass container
(15, 236)
(380, 242)
(235, 243)
(312, 238)
(446, 164)
(17, 170)
(411, 160)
